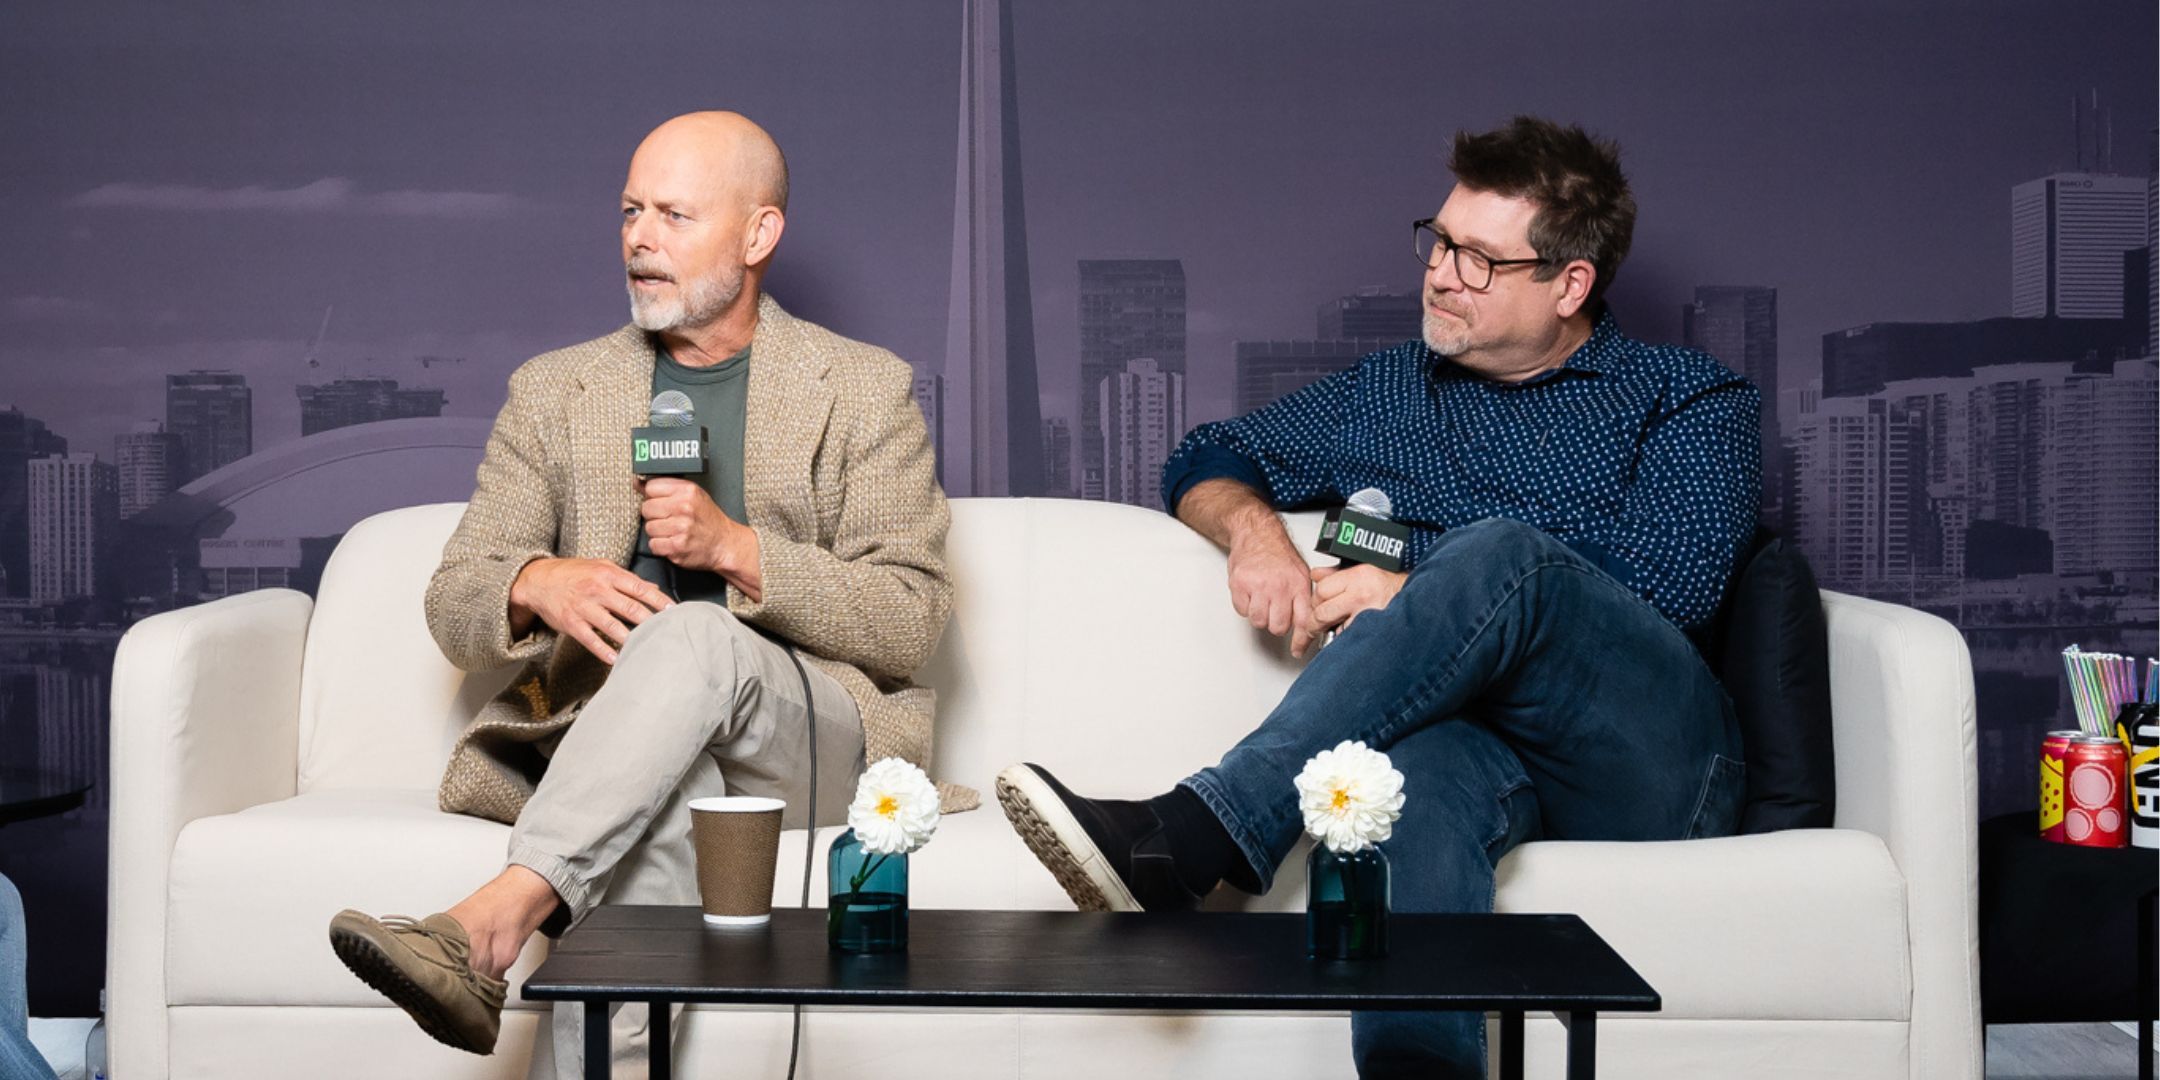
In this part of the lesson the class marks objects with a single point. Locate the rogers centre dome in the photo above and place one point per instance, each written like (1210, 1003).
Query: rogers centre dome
(325, 483)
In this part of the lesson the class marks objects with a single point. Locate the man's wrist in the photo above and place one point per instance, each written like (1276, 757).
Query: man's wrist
(1255, 527)
(521, 612)
(726, 557)
(737, 559)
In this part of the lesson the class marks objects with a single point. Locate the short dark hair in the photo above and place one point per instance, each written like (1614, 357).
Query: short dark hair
(1584, 208)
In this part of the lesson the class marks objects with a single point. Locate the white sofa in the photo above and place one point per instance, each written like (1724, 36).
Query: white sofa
(275, 759)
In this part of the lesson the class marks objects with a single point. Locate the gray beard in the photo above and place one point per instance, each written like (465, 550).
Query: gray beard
(699, 303)
(1449, 341)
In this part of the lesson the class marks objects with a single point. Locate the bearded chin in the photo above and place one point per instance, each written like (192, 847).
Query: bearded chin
(1444, 339)
(700, 304)
(654, 315)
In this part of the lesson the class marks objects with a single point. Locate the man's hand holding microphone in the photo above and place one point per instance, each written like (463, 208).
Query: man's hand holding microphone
(1272, 586)
(684, 526)
(598, 603)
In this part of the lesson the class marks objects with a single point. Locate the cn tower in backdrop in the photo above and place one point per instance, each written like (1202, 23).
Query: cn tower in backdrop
(992, 442)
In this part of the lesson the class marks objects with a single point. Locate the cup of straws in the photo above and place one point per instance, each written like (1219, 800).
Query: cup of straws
(2100, 783)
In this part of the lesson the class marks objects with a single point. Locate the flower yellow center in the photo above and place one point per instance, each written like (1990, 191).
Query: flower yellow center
(887, 806)
(1342, 799)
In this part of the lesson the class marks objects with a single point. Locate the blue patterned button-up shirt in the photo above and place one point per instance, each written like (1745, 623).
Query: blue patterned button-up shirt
(1642, 458)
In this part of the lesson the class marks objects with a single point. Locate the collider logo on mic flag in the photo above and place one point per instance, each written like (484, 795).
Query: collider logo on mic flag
(673, 444)
(1363, 532)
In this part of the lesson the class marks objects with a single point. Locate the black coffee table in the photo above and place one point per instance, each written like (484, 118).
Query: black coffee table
(1508, 964)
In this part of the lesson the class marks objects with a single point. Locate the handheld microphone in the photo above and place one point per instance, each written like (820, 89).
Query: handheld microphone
(672, 443)
(1365, 532)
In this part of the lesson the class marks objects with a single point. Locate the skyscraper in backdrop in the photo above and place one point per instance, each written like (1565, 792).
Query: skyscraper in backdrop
(1141, 412)
(1738, 325)
(1346, 329)
(1859, 360)
(2068, 233)
(213, 412)
(1863, 483)
(149, 459)
(345, 402)
(1267, 370)
(23, 439)
(1898, 484)
(1373, 313)
(2152, 243)
(993, 413)
(74, 513)
(1057, 457)
(1129, 308)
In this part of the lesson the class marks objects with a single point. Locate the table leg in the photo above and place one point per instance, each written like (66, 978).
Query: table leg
(1511, 1064)
(659, 1054)
(1581, 1044)
(596, 1041)
(2148, 979)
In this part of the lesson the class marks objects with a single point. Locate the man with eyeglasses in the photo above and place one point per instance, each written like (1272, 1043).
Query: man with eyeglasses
(1576, 500)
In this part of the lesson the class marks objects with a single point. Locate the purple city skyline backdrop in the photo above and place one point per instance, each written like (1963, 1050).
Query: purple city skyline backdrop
(206, 186)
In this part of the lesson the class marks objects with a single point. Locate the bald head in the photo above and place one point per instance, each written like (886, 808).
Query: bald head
(725, 152)
(702, 213)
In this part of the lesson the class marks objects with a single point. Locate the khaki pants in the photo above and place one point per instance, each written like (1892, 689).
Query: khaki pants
(698, 704)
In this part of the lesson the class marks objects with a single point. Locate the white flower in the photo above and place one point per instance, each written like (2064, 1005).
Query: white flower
(1351, 797)
(895, 808)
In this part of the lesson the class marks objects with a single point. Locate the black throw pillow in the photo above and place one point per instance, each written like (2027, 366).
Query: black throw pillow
(1771, 650)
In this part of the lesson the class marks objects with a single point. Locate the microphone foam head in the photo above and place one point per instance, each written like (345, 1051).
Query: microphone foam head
(672, 408)
(1373, 502)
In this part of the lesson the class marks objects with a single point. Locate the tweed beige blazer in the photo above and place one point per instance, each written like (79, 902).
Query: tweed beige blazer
(838, 481)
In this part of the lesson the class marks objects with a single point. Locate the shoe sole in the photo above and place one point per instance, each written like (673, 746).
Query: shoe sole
(364, 958)
(1059, 843)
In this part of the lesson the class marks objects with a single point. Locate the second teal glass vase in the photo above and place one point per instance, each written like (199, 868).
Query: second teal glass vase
(866, 905)
(1346, 904)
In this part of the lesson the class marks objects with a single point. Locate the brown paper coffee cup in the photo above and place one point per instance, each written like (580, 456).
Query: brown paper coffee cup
(738, 842)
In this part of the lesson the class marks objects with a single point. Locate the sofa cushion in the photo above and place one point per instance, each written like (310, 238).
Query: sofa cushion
(1772, 654)
(1098, 640)
(359, 726)
(1806, 924)
(253, 892)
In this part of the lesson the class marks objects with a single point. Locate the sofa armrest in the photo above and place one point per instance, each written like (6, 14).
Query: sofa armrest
(205, 721)
(1901, 690)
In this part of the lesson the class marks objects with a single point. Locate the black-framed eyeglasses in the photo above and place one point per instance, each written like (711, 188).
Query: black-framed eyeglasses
(1474, 267)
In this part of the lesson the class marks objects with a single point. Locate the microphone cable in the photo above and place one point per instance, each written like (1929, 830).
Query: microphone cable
(809, 840)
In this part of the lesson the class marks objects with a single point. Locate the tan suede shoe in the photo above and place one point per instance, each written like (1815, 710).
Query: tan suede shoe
(424, 968)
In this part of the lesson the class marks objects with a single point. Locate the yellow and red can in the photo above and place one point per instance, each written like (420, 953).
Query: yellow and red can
(2051, 783)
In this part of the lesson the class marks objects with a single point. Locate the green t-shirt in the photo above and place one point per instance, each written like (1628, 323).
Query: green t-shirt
(719, 396)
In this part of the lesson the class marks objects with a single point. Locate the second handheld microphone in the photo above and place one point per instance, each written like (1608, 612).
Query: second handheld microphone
(1365, 532)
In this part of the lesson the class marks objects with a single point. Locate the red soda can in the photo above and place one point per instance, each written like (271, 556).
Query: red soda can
(2095, 770)
(2051, 783)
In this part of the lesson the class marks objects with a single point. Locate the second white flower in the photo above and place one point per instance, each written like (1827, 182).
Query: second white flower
(1350, 797)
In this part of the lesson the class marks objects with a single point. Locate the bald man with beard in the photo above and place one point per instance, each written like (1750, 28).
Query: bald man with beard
(656, 619)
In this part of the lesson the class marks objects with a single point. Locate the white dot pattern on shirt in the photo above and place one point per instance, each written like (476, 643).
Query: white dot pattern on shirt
(1646, 453)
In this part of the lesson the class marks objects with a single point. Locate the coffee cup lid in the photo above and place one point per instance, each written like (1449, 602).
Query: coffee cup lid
(737, 804)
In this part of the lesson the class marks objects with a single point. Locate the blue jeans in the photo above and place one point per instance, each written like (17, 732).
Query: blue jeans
(17, 1057)
(1523, 694)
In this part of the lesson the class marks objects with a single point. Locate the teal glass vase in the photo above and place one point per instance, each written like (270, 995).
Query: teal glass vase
(1346, 904)
(866, 905)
